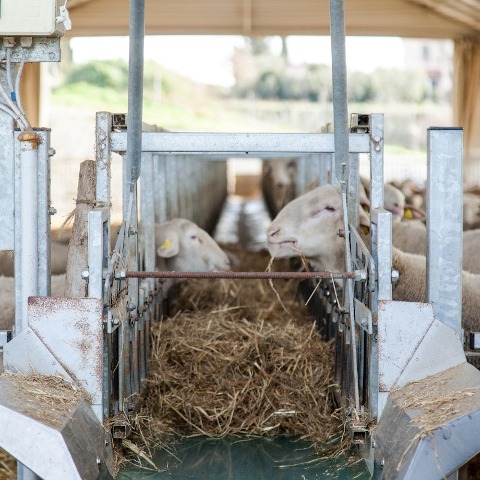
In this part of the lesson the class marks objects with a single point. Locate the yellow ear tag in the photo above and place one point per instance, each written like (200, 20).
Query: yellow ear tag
(408, 213)
(166, 244)
(366, 229)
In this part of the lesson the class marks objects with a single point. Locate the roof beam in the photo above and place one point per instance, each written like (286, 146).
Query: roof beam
(465, 11)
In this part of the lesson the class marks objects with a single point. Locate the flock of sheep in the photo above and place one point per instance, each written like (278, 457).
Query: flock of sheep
(308, 225)
(310, 222)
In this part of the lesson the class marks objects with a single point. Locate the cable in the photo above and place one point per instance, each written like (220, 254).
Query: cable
(23, 122)
(10, 112)
(17, 82)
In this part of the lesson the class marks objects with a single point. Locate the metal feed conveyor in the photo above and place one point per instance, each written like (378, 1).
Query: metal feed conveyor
(373, 370)
(410, 400)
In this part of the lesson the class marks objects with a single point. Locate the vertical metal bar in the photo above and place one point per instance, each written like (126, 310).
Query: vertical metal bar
(160, 191)
(376, 161)
(352, 188)
(7, 173)
(147, 211)
(96, 249)
(135, 88)
(103, 153)
(381, 246)
(172, 195)
(44, 212)
(28, 257)
(325, 168)
(339, 80)
(445, 224)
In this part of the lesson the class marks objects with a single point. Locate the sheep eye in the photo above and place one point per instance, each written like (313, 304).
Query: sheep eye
(330, 208)
(193, 237)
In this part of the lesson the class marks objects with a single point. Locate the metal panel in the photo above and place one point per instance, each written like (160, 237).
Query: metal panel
(75, 339)
(412, 344)
(444, 224)
(239, 143)
(78, 446)
(414, 441)
(26, 353)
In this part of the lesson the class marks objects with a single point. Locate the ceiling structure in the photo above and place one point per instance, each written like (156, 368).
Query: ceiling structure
(405, 18)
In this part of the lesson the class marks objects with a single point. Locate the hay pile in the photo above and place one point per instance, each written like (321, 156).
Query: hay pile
(239, 358)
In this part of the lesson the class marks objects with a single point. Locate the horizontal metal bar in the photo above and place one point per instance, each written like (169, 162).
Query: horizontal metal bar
(239, 275)
(239, 143)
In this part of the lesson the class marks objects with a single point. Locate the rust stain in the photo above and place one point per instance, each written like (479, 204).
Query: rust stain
(30, 136)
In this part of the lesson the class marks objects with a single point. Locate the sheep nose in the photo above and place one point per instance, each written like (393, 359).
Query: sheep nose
(280, 185)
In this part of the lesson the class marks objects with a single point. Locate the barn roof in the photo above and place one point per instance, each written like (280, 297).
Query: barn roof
(406, 18)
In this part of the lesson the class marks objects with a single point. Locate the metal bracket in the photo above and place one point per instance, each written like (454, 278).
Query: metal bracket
(363, 316)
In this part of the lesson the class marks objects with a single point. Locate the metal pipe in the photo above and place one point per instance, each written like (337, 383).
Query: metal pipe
(29, 220)
(135, 88)
(339, 84)
(241, 275)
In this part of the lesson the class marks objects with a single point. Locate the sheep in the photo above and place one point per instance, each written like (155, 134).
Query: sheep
(309, 224)
(7, 302)
(278, 182)
(471, 211)
(410, 236)
(184, 247)
(58, 256)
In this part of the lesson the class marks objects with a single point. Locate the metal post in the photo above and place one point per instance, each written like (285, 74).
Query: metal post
(29, 222)
(339, 80)
(445, 224)
(135, 88)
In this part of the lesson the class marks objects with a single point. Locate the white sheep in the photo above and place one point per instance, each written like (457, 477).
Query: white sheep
(58, 260)
(410, 236)
(278, 181)
(471, 211)
(7, 298)
(310, 224)
(183, 246)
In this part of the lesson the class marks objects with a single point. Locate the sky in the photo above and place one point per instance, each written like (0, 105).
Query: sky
(207, 59)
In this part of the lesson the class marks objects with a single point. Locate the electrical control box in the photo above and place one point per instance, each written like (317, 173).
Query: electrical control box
(46, 18)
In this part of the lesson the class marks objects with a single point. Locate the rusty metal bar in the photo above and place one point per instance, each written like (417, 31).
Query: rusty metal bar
(240, 275)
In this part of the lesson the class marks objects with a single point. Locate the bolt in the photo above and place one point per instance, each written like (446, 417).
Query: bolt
(51, 152)
(377, 148)
(364, 322)
(382, 462)
(341, 233)
(360, 275)
(395, 276)
(102, 146)
(52, 211)
(101, 137)
(116, 321)
(85, 274)
(121, 274)
(98, 461)
(132, 231)
(376, 138)
(374, 445)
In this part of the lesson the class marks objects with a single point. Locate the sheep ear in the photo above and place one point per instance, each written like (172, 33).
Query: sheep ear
(169, 247)
(412, 212)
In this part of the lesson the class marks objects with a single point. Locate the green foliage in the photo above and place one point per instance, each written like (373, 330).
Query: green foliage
(112, 74)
